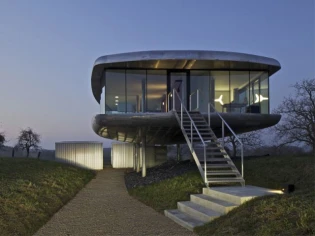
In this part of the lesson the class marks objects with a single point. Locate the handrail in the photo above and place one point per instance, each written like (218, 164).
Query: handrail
(175, 92)
(224, 122)
(190, 103)
(192, 125)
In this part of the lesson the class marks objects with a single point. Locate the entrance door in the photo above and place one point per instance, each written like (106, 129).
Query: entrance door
(178, 81)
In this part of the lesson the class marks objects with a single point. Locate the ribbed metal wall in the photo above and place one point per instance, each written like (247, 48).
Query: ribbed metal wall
(87, 155)
(123, 155)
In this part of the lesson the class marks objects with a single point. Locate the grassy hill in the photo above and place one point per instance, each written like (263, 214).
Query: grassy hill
(31, 191)
(289, 214)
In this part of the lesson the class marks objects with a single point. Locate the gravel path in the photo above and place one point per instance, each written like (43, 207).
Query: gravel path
(104, 207)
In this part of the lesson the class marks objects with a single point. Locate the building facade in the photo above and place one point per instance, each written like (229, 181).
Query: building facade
(134, 90)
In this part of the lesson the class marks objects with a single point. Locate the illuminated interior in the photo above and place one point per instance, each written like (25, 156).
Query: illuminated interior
(135, 91)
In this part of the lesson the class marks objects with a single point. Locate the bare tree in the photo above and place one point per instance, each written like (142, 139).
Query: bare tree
(250, 140)
(28, 139)
(2, 140)
(298, 116)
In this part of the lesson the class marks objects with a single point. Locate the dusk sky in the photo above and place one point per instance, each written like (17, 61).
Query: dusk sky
(48, 48)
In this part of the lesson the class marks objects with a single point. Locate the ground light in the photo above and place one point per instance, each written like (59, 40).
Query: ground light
(288, 188)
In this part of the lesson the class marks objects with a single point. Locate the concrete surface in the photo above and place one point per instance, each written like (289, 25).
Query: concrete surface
(214, 202)
(104, 207)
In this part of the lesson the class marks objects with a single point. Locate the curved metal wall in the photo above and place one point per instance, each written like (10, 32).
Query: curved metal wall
(88, 155)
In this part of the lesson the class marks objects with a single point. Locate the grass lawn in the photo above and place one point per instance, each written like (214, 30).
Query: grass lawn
(31, 191)
(291, 214)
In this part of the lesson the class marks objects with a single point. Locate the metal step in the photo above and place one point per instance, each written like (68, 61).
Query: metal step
(225, 180)
(220, 166)
(215, 159)
(223, 173)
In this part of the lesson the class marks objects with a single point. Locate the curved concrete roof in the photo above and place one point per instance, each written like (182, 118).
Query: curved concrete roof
(180, 59)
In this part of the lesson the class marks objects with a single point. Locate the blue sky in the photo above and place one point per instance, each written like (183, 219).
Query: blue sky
(47, 50)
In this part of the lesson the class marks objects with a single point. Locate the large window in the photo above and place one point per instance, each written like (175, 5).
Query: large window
(264, 93)
(254, 102)
(156, 91)
(102, 101)
(146, 90)
(239, 87)
(199, 80)
(115, 91)
(136, 82)
(219, 82)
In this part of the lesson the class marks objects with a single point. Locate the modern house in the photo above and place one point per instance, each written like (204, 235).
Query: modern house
(158, 98)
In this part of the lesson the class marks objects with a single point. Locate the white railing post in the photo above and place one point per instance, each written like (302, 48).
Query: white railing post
(205, 163)
(191, 134)
(197, 99)
(209, 114)
(190, 102)
(222, 134)
(181, 114)
(242, 160)
(174, 100)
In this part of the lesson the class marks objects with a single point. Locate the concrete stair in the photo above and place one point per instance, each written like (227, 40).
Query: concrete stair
(212, 203)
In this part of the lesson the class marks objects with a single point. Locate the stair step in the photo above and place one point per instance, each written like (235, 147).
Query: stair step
(215, 159)
(197, 211)
(213, 203)
(183, 219)
(220, 166)
(232, 174)
(223, 172)
(225, 180)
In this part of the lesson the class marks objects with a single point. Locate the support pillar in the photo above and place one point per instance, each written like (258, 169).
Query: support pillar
(138, 157)
(144, 167)
(178, 151)
(134, 156)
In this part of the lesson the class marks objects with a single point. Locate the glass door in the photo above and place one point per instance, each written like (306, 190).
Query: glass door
(178, 81)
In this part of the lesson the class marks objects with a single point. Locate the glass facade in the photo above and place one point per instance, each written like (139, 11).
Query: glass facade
(133, 91)
(135, 85)
(156, 91)
(199, 80)
(220, 87)
(115, 91)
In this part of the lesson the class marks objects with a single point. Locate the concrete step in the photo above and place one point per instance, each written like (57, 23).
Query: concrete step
(213, 203)
(237, 194)
(197, 211)
(183, 219)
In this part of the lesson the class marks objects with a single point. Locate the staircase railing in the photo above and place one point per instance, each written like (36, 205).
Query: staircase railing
(190, 102)
(193, 128)
(224, 123)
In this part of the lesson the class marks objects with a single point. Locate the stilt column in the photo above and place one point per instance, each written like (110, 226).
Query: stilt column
(144, 167)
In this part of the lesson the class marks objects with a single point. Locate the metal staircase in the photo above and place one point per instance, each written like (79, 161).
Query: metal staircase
(213, 162)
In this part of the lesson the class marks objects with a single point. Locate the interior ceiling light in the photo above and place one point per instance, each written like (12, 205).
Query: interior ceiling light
(220, 100)
(116, 97)
(260, 98)
(116, 100)
(116, 104)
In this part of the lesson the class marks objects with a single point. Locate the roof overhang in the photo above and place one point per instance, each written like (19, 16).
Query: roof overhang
(180, 59)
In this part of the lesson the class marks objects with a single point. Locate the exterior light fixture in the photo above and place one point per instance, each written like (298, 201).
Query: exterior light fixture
(116, 96)
(116, 104)
(116, 100)
(171, 95)
(163, 103)
(219, 100)
(260, 98)
(288, 188)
